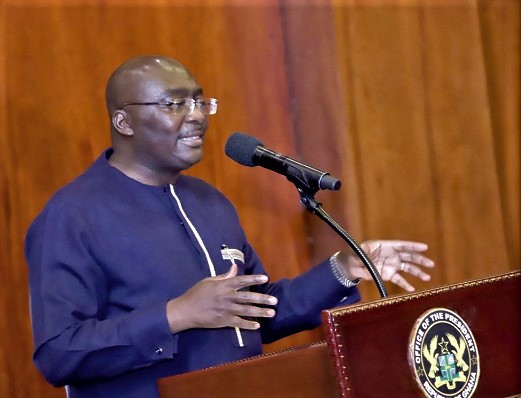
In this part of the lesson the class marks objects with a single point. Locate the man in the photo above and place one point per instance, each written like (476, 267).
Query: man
(138, 272)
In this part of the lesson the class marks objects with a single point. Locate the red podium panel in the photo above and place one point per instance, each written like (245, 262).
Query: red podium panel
(369, 343)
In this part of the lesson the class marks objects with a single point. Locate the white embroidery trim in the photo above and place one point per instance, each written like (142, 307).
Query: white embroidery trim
(197, 236)
(201, 243)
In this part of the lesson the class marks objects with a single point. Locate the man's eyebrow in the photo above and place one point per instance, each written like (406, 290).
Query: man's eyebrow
(182, 92)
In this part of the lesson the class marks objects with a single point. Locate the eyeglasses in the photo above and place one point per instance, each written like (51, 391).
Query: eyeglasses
(184, 106)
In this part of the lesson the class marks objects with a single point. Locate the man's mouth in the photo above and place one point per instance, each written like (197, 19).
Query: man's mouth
(192, 140)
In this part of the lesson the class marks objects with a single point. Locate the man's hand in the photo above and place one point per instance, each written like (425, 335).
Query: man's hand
(390, 257)
(217, 302)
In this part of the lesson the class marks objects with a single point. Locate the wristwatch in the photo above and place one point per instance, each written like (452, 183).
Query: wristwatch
(339, 275)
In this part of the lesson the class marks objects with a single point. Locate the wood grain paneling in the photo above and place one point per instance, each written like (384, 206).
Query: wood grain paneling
(462, 144)
(501, 35)
(413, 105)
(419, 116)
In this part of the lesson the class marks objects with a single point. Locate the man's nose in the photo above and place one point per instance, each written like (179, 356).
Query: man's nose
(196, 114)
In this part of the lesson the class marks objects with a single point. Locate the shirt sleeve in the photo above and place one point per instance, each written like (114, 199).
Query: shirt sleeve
(302, 299)
(74, 339)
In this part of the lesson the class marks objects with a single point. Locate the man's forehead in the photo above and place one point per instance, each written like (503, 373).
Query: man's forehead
(171, 87)
(183, 91)
(167, 79)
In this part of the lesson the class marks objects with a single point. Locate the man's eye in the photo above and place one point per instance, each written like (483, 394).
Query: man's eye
(175, 103)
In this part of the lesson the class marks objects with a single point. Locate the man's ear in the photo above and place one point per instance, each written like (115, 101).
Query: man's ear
(121, 123)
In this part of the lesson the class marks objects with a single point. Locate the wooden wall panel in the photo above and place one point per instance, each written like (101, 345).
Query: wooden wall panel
(5, 253)
(419, 116)
(414, 107)
(379, 51)
(501, 36)
(462, 145)
(319, 112)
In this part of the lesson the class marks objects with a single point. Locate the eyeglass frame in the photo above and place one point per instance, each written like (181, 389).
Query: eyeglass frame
(212, 102)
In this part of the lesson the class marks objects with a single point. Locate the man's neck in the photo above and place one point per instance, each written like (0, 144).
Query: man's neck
(141, 173)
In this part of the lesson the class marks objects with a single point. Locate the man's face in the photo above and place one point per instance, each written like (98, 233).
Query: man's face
(163, 142)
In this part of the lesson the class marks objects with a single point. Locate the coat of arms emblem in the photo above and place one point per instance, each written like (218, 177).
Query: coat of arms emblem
(443, 355)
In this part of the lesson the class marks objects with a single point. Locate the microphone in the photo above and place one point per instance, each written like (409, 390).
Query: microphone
(250, 152)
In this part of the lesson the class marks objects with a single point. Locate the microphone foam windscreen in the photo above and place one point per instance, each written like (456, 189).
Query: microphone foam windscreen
(241, 148)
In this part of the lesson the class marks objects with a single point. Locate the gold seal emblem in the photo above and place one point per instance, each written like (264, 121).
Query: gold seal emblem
(443, 355)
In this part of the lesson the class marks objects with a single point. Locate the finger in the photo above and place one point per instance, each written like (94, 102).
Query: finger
(415, 271)
(242, 281)
(246, 297)
(242, 323)
(416, 259)
(406, 245)
(252, 311)
(229, 274)
(399, 280)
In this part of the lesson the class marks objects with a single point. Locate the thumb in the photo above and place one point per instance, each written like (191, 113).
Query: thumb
(230, 274)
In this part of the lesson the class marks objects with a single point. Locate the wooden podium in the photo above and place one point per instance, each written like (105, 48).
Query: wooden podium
(366, 352)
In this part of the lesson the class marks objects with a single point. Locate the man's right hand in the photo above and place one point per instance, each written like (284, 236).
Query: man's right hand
(217, 302)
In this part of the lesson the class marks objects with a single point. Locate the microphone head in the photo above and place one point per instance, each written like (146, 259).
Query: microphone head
(241, 148)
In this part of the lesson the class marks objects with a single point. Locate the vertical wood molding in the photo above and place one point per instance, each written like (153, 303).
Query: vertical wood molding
(462, 144)
(500, 34)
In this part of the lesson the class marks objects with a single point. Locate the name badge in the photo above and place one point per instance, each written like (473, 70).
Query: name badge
(232, 254)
